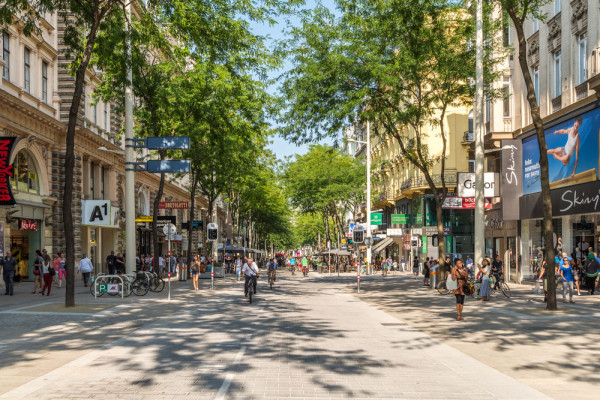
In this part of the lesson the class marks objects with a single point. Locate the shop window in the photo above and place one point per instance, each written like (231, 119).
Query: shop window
(25, 178)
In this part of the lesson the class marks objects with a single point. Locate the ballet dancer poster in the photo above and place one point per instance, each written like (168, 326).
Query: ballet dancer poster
(572, 153)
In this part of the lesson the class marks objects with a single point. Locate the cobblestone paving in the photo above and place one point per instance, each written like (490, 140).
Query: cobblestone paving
(305, 339)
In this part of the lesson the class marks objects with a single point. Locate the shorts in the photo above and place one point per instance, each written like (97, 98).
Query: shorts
(460, 298)
(195, 272)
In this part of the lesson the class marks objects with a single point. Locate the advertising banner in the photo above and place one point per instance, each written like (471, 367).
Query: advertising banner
(510, 178)
(462, 203)
(6, 171)
(578, 199)
(572, 154)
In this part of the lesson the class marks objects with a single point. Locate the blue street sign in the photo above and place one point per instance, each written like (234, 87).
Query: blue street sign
(168, 166)
(168, 143)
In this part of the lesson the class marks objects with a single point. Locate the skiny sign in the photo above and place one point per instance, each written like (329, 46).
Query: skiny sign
(6, 171)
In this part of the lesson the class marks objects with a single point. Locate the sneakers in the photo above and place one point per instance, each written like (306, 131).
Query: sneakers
(571, 301)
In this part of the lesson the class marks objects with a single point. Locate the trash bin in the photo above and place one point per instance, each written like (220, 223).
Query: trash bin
(181, 273)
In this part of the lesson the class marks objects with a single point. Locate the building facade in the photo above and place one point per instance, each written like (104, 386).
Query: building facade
(35, 97)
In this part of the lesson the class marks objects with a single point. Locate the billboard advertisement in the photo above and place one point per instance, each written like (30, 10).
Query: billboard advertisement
(572, 153)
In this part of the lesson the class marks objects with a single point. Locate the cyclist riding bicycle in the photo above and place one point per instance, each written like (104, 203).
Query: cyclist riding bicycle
(250, 272)
(497, 271)
(271, 268)
(305, 265)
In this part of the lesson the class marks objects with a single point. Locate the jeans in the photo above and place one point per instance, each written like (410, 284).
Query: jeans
(86, 278)
(246, 284)
(47, 283)
(238, 271)
(568, 285)
(9, 281)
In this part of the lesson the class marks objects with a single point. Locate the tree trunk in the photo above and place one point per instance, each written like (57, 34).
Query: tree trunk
(67, 206)
(441, 239)
(191, 219)
(157, 199)
(544, 179)
(209, 211)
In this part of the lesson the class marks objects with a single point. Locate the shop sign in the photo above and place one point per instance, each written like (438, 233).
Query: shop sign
(99, 213)
(28, 225)
(433, 230)
(578, 199)
(466, 184)
(113, 288)
(424, 245)
(510, 178)
(173, 205)
(572, 154)
(417, 231)
(144, 218)
(376, 218)
(418, 219)
(394, 232)
(461, 203)
(6, 171)
(163, 220)
(400, 218)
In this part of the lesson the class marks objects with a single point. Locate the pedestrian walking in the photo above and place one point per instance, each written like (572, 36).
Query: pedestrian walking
(416, 267)
(484, 275)
(8, 272)
(577, 275)
(238, 268)
(111, 263)
(195, 268)
(470, 266)
(591, 273)
(566, 273)
(460, 275)
(62, 271)
(47, 273)
(426, 272)
(37, 270)
(403, 264)
(85, 267)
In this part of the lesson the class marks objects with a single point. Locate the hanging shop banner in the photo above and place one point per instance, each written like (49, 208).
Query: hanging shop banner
(6, 171)
(464, 203)
(173, 205)
(376, 218)
(511, 178)
(578, 199)
(572, 154)
(466, 184)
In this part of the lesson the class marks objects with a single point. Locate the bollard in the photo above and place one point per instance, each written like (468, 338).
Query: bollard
(358, 281)
(434, 279)
(182, 271)
(212, 278)
(169, 276)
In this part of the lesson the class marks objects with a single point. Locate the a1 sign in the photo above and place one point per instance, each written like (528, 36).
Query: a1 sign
(113, 288)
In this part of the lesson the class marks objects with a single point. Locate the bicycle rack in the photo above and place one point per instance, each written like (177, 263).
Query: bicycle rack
(107, 276)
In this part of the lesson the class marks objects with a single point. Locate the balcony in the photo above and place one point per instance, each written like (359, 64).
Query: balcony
(468, 137)
(581, 91)
(556, 103)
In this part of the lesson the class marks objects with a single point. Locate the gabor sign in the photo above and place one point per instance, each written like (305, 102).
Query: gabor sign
(466, 184)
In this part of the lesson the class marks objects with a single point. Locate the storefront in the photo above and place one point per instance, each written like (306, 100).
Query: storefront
(100, 222)
(574, 169)
(501, 238)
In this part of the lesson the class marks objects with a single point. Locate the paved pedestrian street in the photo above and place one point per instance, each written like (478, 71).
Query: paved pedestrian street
(307, 338)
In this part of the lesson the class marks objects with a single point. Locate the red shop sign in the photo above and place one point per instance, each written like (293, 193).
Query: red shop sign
(28, 225)
(6, 171)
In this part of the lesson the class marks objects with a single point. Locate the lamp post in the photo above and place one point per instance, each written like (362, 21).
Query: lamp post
(479, 139)
(368, 151)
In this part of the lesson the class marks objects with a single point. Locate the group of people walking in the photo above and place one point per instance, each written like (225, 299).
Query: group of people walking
(46, 271)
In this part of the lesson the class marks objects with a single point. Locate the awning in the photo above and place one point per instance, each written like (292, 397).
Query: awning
(382, 245)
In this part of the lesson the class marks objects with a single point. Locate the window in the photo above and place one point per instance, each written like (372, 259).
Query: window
(44, 81)
(96, 114)
(471, 165)
(26, 70)
(556, 6)
(105, 116)
(557, 73)
(506, 97)
(536, 84)
(6, 56)
(102, 182)
(25, 177)
(536, 25)
(92, 179)
(488, 110)
(582, 44)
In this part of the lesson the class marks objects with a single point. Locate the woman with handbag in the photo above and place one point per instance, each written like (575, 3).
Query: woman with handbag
(484, 275)
(195, 267)
(48, 273)
(37, 270)
(458, 277)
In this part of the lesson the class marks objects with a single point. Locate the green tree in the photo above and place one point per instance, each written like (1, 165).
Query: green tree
(327, 183)
(519, 11)
(400, 64)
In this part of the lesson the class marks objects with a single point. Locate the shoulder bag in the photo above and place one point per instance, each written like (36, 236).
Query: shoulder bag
(451, 284)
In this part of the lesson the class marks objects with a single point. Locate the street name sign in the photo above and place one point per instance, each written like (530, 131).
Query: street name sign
(167, 166)
(168, 143)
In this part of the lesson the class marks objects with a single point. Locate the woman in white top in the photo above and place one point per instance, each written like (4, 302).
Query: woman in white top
(564, 154)
(46, 274)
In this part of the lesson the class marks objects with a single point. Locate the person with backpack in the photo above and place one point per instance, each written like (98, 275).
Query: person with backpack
(591, 272)
(111, 263)
(416, 267)
(37, 270)
(8, 272)
(426, 272)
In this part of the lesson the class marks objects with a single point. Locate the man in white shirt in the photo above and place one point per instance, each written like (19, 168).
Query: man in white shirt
(161, 265)
(250, 271)
(85, 267)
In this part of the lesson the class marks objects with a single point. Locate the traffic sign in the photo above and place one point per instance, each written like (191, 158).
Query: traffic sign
(169, 230)
(113, 288)
(103, 288)
(213, 231)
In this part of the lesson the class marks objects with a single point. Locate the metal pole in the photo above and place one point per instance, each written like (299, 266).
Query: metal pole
(169, 273)
(358, 269)
(129, 175)
(368, 195)
(479, 141)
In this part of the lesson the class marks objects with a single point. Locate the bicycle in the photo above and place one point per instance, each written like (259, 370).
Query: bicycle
(442, 289)
(271, 278)
(500, 284)
(251, 286)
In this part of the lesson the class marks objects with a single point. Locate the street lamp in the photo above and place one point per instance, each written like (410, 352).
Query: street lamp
(368, 151)
(129, 216)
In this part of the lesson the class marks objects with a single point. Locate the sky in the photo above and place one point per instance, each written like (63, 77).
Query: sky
(279, 146)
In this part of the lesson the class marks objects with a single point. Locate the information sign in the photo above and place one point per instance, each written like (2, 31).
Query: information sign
(376, 218)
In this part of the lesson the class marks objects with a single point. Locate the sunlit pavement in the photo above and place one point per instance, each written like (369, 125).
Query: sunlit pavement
(308, 338)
